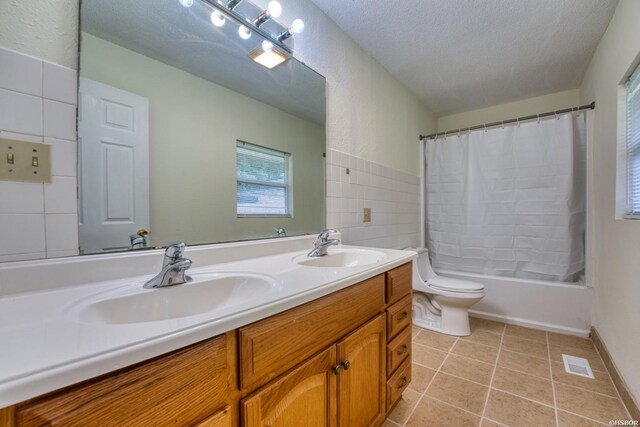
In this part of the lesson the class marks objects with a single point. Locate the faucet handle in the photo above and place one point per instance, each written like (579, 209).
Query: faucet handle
(324, 234)
(175, 250)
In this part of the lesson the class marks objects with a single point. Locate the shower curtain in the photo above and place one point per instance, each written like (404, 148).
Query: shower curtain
(509, 201)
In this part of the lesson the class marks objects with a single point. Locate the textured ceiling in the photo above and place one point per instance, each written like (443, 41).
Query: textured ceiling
(459, 55)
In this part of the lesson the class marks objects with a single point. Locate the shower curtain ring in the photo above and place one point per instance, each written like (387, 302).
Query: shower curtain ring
(538, 118)
(518, 121)
(556, 113)
(502, 124)
(485, 127)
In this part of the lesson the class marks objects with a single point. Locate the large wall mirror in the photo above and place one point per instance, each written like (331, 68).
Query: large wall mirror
(183, 136)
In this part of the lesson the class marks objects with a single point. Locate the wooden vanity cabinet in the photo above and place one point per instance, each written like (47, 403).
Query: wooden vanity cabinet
(195, 385)
(343, 385)
(340, 360)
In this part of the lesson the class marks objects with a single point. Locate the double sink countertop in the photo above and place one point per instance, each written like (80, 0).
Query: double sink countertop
(54, 333)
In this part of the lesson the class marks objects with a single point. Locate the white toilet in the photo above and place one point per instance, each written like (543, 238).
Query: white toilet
(442, 303)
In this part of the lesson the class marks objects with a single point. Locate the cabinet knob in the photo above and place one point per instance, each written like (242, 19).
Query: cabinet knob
(337, 370)
(403, 382)
(346, 365)
(403, 350)
(403, 315)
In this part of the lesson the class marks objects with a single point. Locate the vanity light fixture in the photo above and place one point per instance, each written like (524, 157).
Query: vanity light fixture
(223, 10)
(274, 9)
(297, 27)
(231, 4)
(267, 56)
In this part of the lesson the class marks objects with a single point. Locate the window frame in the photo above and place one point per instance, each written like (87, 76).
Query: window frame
(287, 185)
(631, 153)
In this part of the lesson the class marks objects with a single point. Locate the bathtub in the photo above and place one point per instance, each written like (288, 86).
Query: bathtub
(557, 307)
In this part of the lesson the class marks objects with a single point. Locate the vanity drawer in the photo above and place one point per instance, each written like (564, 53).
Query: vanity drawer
(173, 389)
(398, 316)
(398, 383)
(271, 346)
(399, 282)
(398, 350)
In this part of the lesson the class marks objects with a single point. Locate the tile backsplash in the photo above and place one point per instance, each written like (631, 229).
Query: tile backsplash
(392, 195)
(38, 102)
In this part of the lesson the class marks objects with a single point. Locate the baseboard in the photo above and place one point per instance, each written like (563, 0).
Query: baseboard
(618, 381)
(530, 323)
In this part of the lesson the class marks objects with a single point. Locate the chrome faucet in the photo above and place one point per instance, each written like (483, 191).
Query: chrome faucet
(322, 243)
(174, 267)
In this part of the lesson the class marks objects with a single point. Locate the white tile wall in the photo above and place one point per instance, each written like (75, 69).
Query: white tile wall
(38, 103)
(392, 195)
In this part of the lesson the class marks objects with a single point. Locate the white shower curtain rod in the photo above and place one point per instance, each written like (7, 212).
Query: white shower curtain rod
(504, 122)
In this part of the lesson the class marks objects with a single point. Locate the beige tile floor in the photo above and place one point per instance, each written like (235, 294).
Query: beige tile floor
(504, 375)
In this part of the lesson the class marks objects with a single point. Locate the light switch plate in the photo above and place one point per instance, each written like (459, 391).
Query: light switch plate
(25, 161)
(367, 215)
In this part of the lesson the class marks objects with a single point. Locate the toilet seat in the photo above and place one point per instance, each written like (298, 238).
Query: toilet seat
(448, 284)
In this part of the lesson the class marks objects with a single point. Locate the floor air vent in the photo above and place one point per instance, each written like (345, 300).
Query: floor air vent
(577, 366)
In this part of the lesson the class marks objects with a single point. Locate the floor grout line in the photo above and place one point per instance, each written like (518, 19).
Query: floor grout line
(493, 421)
(537, 402)
(590, 391)
(431, 381)
(453, 406)
(582, 416)
(493, 374)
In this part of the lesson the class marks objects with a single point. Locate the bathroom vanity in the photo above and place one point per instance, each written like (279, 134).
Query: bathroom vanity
(335, 350)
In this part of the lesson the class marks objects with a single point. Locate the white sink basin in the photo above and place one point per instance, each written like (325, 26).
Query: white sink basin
(206, 293)
(339, 257)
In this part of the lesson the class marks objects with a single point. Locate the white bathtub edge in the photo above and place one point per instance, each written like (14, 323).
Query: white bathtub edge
(549, 327)
(557, 307)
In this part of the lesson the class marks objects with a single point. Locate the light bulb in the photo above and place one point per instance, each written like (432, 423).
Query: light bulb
(186, 3)
(244, 32)
(274, 8)
(267, 46)
(217, 18)
(297, 26)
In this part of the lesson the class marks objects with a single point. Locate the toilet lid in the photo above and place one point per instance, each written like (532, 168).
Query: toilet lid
(454, 285)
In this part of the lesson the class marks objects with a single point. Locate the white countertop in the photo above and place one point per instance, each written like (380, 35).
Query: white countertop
(45, 345)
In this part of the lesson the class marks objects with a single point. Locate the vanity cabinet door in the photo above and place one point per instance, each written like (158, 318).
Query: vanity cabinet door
(361, 383)
(306, 396)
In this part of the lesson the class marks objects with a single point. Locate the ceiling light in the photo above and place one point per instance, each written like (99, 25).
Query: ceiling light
(244, 32)
(217, 18)
(297, 26)
(268, 58)
(186, 3)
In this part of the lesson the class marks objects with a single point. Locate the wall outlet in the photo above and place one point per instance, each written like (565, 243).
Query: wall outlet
(366, 215)
(25, 161)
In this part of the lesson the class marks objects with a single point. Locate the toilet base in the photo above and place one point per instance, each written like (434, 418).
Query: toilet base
(450, 319)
